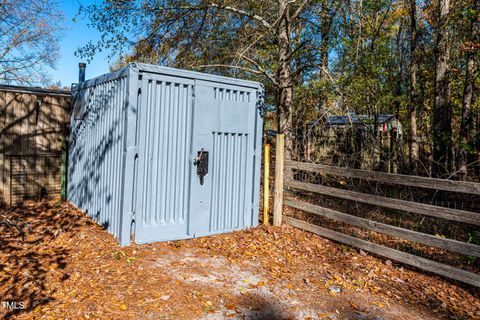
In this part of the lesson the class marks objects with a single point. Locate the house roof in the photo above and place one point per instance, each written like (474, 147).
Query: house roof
(34, 90)
(358, 119)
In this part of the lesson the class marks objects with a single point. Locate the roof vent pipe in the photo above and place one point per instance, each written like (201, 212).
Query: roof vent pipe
(81, 72)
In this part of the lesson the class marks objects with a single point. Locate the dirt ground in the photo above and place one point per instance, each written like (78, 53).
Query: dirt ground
(64, 266)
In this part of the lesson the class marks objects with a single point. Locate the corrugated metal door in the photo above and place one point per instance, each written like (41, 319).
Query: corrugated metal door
(224, 128)
(164, 135)
(179, 119)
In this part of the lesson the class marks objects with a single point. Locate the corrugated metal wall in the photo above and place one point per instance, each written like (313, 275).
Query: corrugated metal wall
(229, 195)
(33, 125)
(96, 153)
(134, 139)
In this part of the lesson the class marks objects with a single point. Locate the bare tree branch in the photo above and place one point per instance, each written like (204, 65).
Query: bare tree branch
(30, 32)
(259, 68)
(299, 9)
(251, 15)
(231, 66)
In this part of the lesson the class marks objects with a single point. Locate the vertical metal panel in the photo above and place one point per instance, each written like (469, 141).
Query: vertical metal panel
(165, 118)
(96, 154)
(257, 157)
(228, 196)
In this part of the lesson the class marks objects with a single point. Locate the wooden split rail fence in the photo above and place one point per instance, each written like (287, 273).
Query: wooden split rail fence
(449, 214)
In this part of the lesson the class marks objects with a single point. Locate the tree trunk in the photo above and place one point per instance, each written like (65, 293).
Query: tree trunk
(413, 89)
(442, 124)
(323, 73)
(285, 90)
(324, 54)
(467, 105)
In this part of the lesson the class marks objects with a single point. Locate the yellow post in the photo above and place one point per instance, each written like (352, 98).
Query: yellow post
(266, 183)
(278, 199)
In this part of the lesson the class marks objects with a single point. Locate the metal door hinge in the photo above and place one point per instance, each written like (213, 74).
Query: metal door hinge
(139, 91)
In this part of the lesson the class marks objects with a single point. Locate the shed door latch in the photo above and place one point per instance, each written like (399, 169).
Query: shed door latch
(201, 162)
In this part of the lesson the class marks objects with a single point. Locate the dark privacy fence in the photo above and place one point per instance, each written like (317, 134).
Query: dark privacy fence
(33, 127)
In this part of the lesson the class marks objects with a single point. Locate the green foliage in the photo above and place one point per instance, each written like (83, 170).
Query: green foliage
(367, 42)
(474, 237)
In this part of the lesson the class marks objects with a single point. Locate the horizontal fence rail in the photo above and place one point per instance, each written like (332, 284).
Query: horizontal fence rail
(451, 245)
(396, 255)
(399, 179)
(427, 239)
(409, 206)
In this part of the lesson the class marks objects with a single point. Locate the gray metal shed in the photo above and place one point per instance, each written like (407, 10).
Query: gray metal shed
(166, 154)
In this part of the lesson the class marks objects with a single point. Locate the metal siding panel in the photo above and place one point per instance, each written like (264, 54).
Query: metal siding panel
(168, 152)
(164, 146)
(118, 158)
(229, 168)
(244, 182)
(185, 151)
(95, 155)
(129, 157)
(259, 102)
(213, 197)
(155, 130)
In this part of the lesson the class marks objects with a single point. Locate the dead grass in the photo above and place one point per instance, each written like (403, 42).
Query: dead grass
(67, 267)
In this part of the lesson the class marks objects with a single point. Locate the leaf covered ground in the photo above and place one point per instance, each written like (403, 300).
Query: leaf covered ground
(60, 265)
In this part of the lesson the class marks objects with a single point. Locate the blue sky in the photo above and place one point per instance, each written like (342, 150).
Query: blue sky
(76, 35)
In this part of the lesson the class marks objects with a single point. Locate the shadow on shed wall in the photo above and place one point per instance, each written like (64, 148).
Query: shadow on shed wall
(96, 154)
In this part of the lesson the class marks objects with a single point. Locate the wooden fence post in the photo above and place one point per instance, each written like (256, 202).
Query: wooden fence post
(279, 164)
(266, 183)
